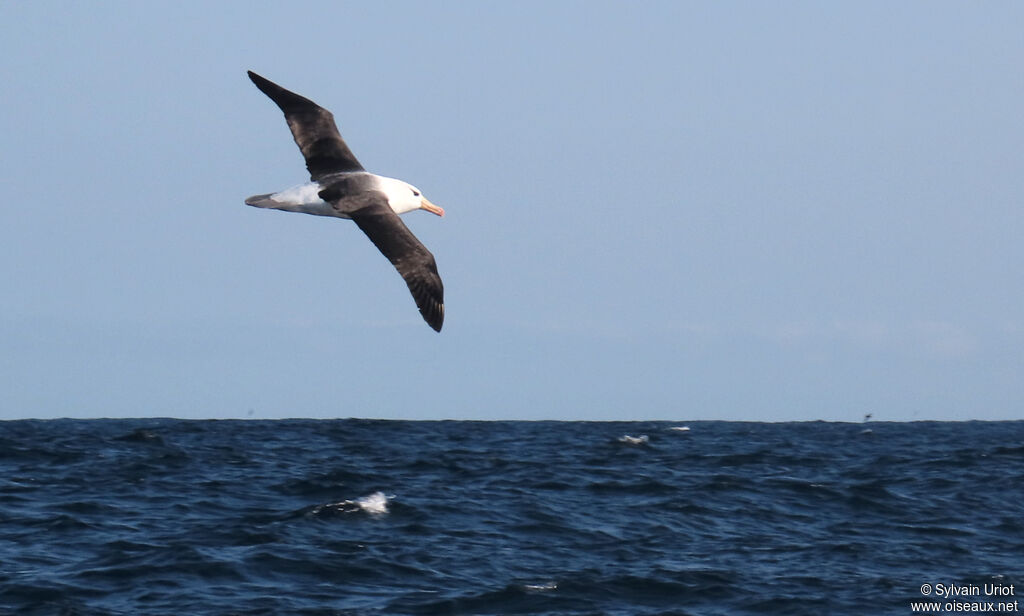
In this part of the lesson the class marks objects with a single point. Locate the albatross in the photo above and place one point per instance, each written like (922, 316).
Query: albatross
(341, 188)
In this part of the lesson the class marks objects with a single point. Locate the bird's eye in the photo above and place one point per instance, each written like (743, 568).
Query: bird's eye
(415, 192)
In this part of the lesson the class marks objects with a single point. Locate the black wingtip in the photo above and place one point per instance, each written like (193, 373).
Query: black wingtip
(289, 101)
(267, 86)
(433, 314)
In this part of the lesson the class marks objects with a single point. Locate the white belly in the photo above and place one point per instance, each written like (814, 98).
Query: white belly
(304, 198)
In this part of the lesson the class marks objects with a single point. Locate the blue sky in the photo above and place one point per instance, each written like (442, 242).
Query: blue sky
(756, 211)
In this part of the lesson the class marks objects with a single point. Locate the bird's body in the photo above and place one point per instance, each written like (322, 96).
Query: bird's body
(306, 199)
(341, 188)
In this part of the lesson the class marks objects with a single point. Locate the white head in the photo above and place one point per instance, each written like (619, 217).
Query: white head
(403, 197)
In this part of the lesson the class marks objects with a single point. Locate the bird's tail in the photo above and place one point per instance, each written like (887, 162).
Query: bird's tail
(262, 201)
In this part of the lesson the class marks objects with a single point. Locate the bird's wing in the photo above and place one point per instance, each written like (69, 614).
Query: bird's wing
(381, 224)
(314, 130)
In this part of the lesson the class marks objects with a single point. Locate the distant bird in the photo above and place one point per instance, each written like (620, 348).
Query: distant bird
(868, 417)
(341, 188)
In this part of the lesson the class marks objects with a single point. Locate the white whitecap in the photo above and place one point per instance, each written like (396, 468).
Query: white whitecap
(634, 440)
(680, 428)
(376, 503)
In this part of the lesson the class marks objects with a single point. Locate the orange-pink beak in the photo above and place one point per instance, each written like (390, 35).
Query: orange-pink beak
(430, 207)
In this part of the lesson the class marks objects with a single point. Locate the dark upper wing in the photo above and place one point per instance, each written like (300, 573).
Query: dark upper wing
(314, 131)
(409, 256)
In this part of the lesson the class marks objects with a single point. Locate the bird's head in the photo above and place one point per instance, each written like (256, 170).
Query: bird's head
(404, 197)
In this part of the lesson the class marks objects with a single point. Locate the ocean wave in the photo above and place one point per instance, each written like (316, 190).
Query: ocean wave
(164, 516)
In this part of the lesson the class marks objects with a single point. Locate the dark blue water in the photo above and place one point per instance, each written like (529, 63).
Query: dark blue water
(381, 517)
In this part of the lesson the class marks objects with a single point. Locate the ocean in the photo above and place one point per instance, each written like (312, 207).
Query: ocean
(318, 517)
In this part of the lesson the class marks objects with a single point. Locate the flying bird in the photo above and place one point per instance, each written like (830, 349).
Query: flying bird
(341, 188)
